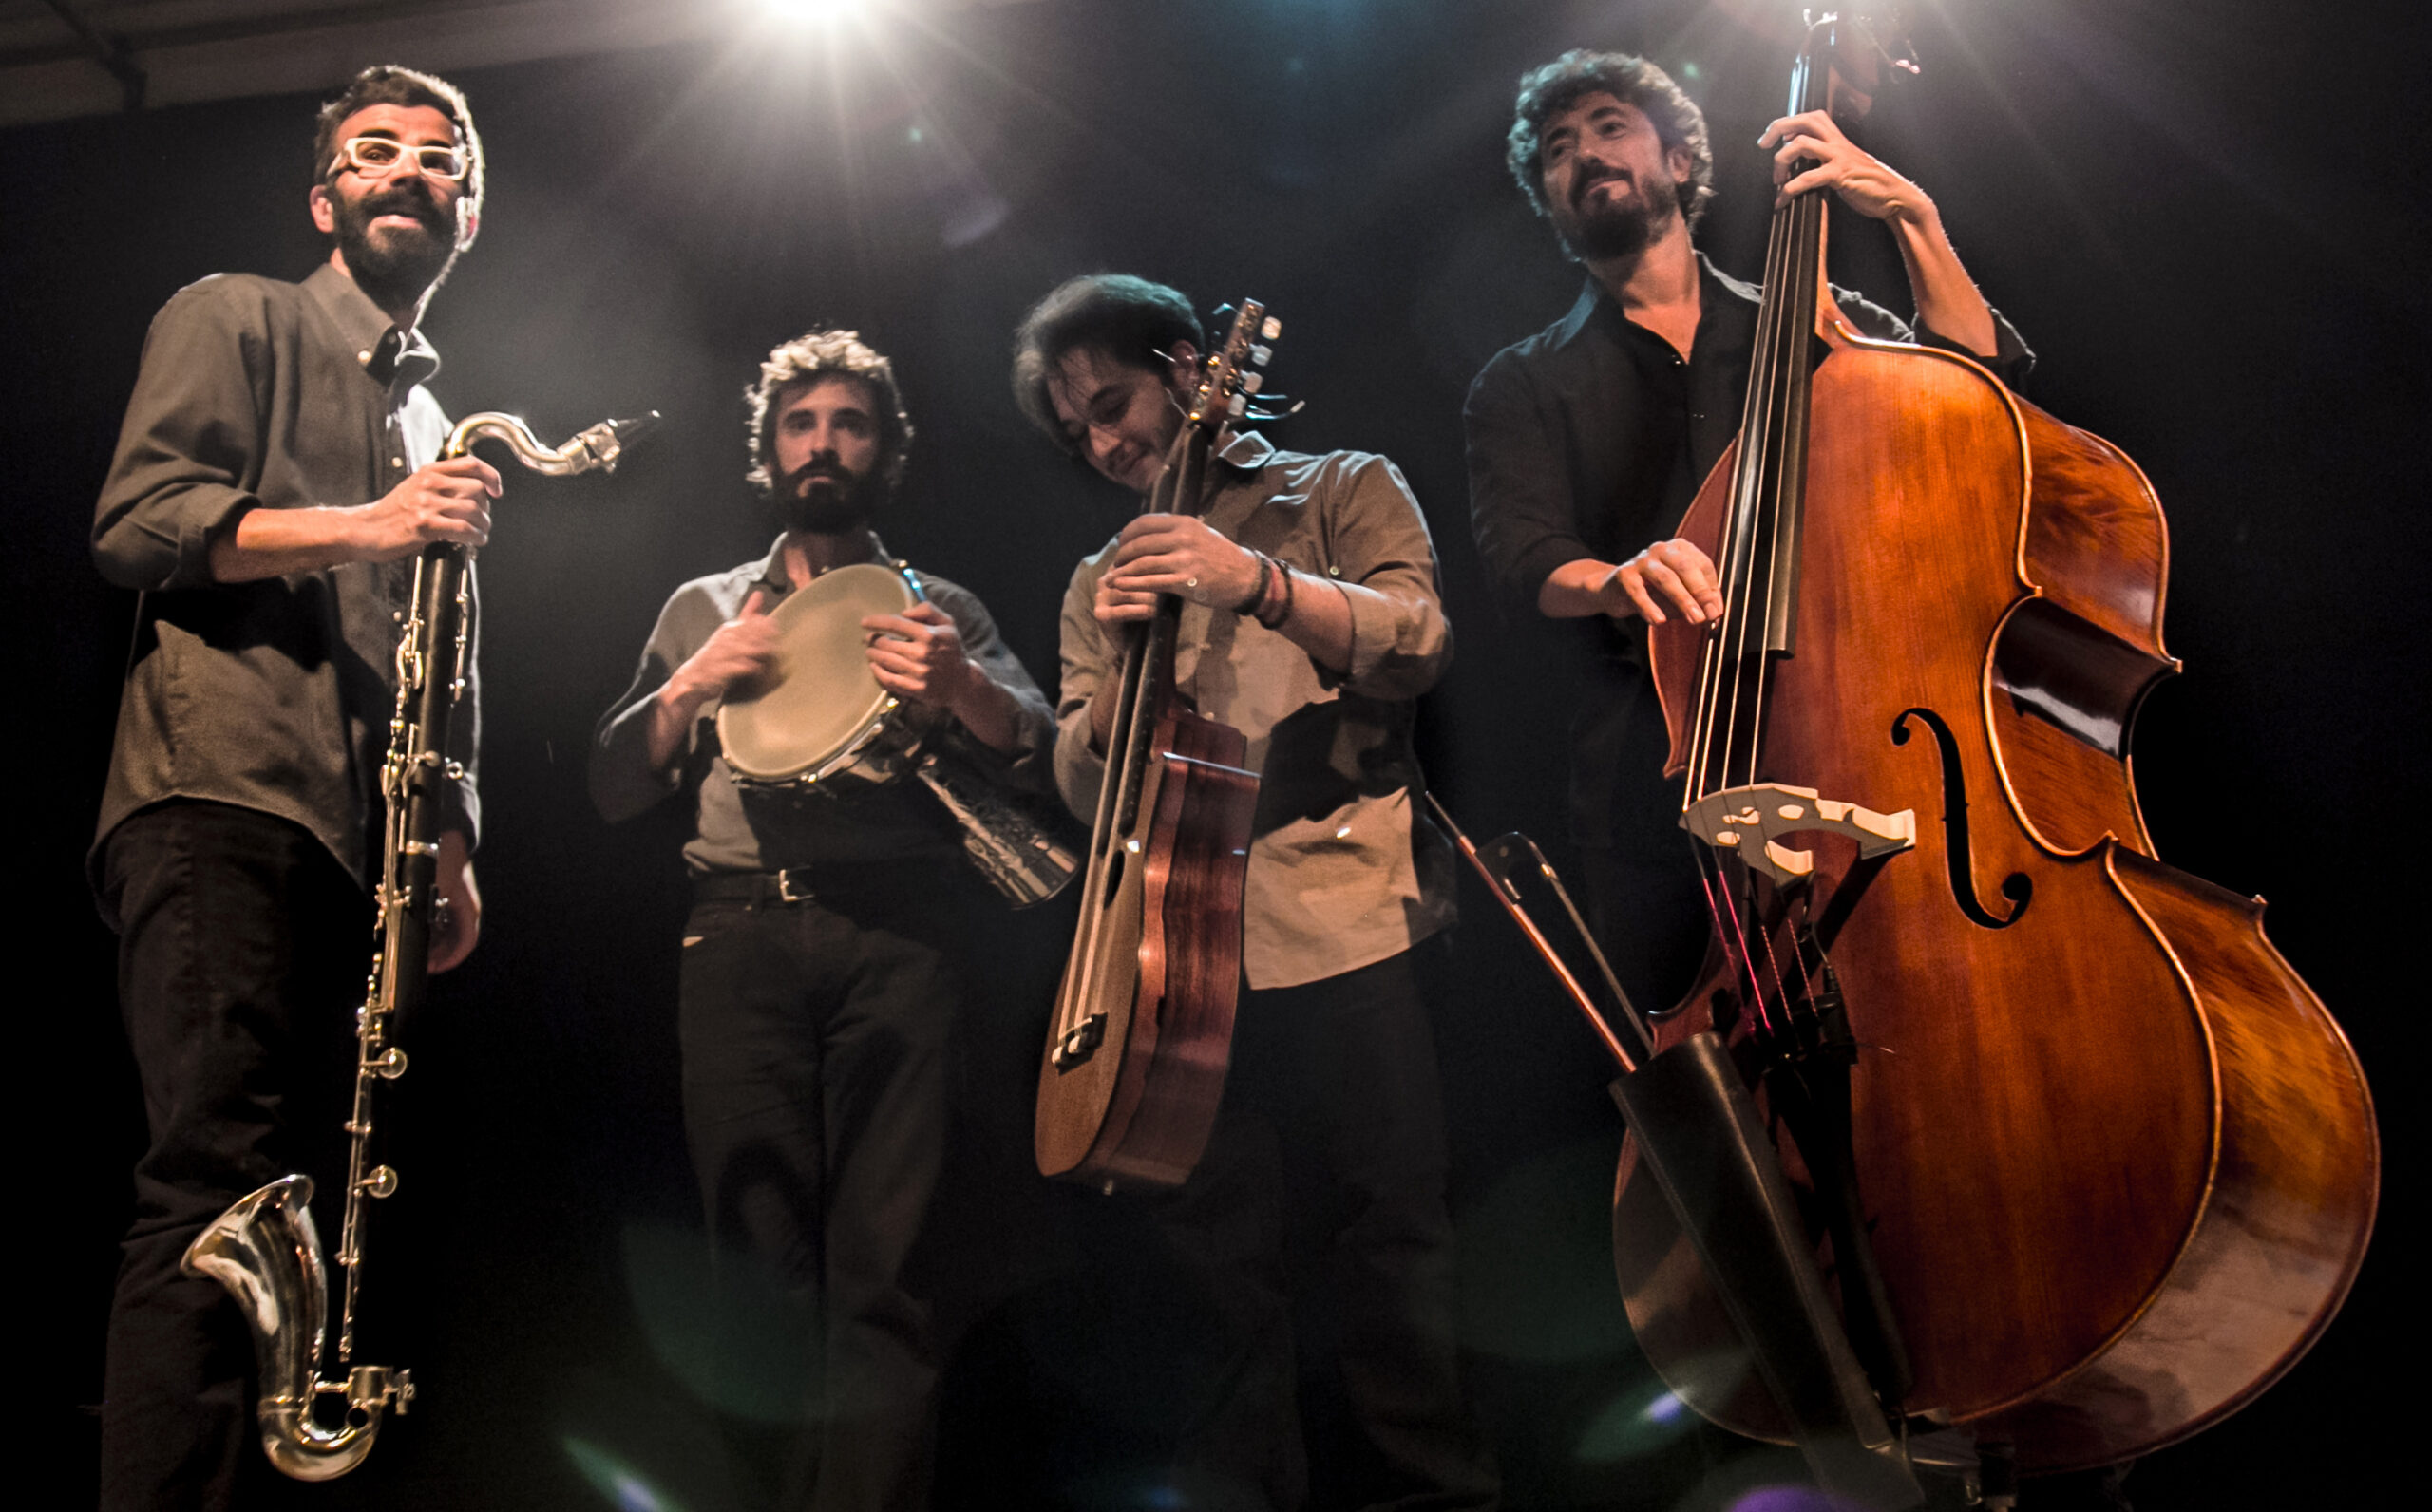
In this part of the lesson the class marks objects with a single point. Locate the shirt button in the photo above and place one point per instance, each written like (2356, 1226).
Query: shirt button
(363, 357)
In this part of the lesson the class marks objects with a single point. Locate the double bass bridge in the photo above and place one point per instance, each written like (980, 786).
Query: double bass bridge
(1749, 821)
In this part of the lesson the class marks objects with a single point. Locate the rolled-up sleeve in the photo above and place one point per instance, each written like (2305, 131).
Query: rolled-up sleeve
(623, 783)
(1025, 767)
(2011, 361)
(187, 454)
(1521, 512)
(1087, 660)
(1380, 553)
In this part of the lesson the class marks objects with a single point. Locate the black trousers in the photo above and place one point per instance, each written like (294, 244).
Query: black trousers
(815, 1041)
(241, 956)
(1302, 1278)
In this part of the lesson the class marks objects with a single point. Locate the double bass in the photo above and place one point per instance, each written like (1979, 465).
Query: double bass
(1137, 1052)
(2087, 1165)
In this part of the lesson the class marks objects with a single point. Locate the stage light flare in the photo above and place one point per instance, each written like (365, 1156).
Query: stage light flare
(815, 13)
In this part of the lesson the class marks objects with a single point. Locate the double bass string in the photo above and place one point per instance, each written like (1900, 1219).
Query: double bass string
(1730, 660)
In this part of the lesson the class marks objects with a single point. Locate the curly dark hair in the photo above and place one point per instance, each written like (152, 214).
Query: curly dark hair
(805, 360)
(388, 85)
(1130, 320)
(1547, 93)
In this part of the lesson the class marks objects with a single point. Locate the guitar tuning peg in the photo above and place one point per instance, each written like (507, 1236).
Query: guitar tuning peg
(1270, 328)
(1239, 406)
(1260, 354)
(1250, 382)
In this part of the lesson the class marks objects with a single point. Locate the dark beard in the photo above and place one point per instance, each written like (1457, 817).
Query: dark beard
(399, 269)
(834, 502)
(1620, 229)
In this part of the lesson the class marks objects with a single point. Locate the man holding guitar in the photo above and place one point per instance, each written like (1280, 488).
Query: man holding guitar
(824, 956)
(1311, 622)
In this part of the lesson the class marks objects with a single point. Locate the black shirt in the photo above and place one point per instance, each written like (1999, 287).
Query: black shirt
(1591, 439)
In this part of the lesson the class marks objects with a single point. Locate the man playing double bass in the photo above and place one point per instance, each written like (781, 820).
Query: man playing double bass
(1311, 622)
(1588, 441)
(824, 954)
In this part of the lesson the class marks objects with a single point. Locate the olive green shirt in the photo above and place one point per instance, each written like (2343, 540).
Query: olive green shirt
(738, 828)
(272, 695)
(1344, 869)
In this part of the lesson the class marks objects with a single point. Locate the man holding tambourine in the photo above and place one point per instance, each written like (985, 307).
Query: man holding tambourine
(820, 967)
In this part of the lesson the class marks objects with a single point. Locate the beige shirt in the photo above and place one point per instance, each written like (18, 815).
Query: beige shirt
(1344, 869)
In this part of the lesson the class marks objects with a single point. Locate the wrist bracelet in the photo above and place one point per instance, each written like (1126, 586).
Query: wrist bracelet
(1259, 588)
(1283, 613)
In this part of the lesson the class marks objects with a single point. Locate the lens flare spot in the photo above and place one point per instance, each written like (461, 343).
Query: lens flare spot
(1634, 1425)
(626, 1488)
(1791, 1499)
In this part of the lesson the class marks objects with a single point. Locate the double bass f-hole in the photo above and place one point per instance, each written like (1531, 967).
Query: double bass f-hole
(2017, 887)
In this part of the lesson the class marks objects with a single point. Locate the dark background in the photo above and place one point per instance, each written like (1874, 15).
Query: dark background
(2209, 222)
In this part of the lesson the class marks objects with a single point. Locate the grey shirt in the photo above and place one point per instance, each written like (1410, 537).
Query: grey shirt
(272, 695)
(738, 828)
(1344, 871)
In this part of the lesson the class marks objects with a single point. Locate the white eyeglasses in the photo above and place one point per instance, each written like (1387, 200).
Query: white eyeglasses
(374, 157)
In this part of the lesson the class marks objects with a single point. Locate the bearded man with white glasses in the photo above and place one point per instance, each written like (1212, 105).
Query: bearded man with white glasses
(274, 478)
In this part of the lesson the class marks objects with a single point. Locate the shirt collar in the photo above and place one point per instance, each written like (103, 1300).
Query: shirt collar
(395, 359)
(1714, 287)
(769, 572)
(1247, 449)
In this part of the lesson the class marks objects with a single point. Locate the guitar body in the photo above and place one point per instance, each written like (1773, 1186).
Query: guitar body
(1162, 979)
(1143, 1032)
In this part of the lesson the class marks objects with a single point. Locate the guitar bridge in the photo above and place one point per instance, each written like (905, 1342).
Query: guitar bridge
(1082, 1043)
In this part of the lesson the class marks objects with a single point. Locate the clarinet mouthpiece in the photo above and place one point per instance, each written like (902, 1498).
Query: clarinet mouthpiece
(629, 432)
(604, 443)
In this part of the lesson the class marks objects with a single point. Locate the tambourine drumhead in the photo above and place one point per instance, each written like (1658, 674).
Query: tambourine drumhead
(822, 701)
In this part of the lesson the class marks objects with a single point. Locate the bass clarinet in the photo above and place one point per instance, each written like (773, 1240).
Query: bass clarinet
(265, 1249)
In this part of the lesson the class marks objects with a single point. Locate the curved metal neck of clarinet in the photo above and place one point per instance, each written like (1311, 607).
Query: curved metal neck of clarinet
(592, 450)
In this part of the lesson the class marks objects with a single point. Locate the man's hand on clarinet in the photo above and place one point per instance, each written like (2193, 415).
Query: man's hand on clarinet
(456, 923)
(445, 502)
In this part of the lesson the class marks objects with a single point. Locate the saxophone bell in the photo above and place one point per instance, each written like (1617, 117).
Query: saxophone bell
(266, 1252)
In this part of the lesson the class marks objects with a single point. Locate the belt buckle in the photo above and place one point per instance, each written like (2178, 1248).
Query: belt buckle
(789, 891)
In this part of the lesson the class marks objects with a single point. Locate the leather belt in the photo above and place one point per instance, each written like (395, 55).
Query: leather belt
(803, 884)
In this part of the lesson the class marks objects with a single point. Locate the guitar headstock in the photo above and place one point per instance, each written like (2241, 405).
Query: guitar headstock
(1232, 374)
